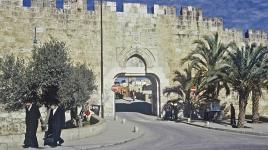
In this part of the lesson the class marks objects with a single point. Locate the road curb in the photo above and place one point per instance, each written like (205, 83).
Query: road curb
(228, 130)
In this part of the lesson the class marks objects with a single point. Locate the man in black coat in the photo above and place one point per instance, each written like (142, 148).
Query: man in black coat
(32, 117)
(233, 121)
(56, 123)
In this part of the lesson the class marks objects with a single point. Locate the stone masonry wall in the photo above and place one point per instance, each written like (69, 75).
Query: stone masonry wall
(12, 123)
(162, 38)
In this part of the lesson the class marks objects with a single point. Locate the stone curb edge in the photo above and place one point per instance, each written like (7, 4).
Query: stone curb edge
(228, 130)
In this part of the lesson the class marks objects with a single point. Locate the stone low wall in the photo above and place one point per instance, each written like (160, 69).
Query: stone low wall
(14, 122)
(67, 134)
(12, 125)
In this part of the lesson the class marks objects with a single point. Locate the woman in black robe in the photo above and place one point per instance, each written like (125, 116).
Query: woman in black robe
(32, 117)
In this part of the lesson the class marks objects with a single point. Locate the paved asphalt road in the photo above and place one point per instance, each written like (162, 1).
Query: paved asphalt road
(167, 135)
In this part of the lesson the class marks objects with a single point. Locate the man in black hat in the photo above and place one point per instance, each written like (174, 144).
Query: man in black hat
(32, 116)
(56, 123)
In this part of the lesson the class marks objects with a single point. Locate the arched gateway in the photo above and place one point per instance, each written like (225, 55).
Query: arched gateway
(135, 62)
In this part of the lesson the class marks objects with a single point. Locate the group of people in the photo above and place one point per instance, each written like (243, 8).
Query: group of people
(170, 111)
(54, 123)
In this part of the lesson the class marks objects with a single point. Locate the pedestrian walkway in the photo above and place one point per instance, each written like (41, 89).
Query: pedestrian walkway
(260, 129)
(117, 132)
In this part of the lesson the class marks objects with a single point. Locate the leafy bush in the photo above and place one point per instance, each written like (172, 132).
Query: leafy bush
(79, 86)
(12, 84)
(49, 73)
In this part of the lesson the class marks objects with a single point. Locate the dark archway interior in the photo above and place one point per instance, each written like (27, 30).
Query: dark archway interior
(141, 107)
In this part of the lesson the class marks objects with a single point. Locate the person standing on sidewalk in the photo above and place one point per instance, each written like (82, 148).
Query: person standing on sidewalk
(233, 121)
(32, 117)
(56, 123)
(133, 95)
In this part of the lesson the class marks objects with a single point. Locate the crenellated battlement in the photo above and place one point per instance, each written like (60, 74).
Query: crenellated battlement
(255, 34)
(164, 10)
(11, 3)
(191, 13)
(111, 6)
(135, 8)
(189, 19)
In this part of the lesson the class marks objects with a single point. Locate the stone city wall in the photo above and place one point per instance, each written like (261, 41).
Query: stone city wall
(162, 38)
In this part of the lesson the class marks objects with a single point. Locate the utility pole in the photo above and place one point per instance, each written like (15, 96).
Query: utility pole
(102, 107)
(35, 39)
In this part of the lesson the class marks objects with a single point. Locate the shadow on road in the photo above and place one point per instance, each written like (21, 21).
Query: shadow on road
(141, 107)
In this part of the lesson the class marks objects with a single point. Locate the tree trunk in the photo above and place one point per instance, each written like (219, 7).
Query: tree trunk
(242, 112)
(243, 97)
(255, 106)
(74, 116)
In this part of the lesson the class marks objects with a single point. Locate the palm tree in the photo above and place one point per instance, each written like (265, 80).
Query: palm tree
(205, 60)
(245, 67)
(183, 88)
(256, 95)
(260, 83)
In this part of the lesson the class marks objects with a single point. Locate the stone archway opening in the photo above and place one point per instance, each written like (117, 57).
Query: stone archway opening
(135, 89)
(137, 93)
